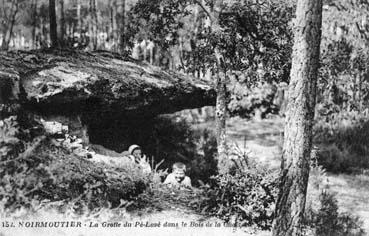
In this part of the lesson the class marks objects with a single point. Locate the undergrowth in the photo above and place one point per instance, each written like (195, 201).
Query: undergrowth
(37, 174)
(343, 143)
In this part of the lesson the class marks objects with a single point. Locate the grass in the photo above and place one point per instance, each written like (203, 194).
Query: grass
(352, 193)
(263, 139)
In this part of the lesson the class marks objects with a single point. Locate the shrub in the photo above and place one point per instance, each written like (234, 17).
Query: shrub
(242, 199)
(322, 214)
(328, 221)
(41, 170)
(342, 141)
(245, 196)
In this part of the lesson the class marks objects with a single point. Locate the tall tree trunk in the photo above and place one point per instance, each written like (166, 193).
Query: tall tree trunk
(79, 21)
(12, 22)
(34, 24)
(220, 120)
(53, 26)
(115, 25)
(121, 21)
(62, 21)
(8, 30)
(224, 163)
(93, 25)
(290, 205)
(111, 21)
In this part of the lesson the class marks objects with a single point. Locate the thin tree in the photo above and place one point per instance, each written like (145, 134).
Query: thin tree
(290, 205)
(8, 25)
(53, 25)
(121, 21)
(62, 20)
(93, 25)
(34, 23)
(224, 163)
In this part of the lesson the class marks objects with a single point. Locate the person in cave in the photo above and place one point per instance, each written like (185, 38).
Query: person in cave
(178, 176)
(136, 156)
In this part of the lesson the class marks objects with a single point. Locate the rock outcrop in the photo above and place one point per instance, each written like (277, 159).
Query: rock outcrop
(101, 97)
(64, 82)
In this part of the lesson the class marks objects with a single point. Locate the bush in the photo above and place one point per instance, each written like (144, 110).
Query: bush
(244, 197)
(41, 170)
(328, 221)
(322, 214)
(342, 141)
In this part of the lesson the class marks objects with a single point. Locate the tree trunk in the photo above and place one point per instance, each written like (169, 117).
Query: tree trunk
(290, 205)
(34, 24)
(220, 120)
(8, 29)
(79, 22)
(93, 25)
(53, 26)
(12, 22)
(62, 21)
(111, 21)
(121, 12)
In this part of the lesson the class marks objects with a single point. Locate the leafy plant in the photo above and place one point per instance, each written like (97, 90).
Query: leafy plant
(328, 221)
(245, 196)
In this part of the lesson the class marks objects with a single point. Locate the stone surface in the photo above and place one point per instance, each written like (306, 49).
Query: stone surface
(64, 82)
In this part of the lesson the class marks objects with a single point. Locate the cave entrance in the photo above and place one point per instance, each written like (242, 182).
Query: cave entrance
(170, 137)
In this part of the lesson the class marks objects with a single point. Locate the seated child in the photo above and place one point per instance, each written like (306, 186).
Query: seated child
(135, 155)
(178, 176)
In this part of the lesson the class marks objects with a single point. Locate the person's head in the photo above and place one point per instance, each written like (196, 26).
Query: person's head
(179, 171)
(135, 151)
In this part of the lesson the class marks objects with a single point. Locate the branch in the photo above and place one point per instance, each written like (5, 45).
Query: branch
(204, 9)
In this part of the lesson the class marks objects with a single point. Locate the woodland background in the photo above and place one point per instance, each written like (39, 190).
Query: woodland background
(254, 41)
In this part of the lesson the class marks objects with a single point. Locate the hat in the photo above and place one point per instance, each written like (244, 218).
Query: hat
(132, 148)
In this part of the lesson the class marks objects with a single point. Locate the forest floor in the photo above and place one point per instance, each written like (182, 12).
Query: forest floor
(264, 139)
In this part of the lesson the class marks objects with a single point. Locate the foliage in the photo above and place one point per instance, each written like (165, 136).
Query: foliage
(246, 102)
(328, 221)
(158, 21)
(322, 214)
(245, 197)
(41, 170)
(342, 141)
(242, 199)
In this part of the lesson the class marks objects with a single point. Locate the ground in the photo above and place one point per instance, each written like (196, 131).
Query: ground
(263, 138)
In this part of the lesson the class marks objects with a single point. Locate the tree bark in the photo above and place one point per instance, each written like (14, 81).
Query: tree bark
(34, 24)
(79, 21)
(93, 25)
(62, 21)
(53, 25)
(290, 205)
(8, 28)
(111, 20)
(220, 120)
(12, 22)
(121, 21)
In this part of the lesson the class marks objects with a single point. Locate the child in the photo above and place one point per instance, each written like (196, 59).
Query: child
(178, 176)
(135, 154)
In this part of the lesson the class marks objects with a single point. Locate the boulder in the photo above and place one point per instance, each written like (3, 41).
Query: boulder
(96, 85)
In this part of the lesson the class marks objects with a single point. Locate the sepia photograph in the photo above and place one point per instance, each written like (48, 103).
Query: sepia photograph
(184, 117)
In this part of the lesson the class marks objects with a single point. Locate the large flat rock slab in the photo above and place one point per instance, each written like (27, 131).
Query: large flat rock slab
(99, 82)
